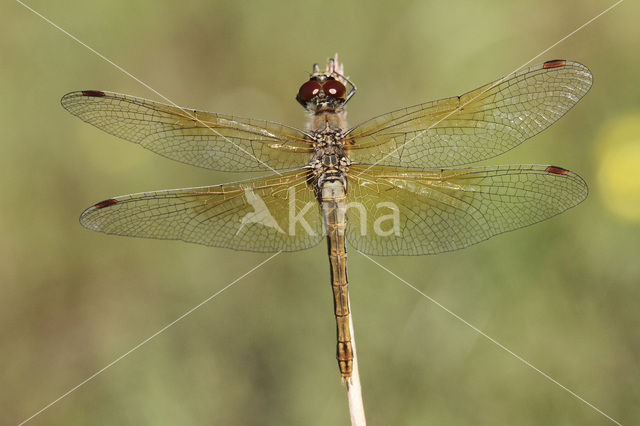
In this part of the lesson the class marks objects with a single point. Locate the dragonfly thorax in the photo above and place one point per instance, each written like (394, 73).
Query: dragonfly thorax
(329, 163)
(330, 157)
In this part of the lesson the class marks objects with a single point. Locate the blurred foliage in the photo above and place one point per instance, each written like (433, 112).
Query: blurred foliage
(563, 294)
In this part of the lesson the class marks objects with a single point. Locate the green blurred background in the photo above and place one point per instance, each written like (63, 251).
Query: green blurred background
(563, 294)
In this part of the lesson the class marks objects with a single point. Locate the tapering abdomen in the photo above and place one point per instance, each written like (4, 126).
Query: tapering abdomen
(334, 209)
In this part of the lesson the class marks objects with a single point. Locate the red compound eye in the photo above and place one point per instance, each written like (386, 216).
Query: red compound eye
(334, 88)
(309, 90)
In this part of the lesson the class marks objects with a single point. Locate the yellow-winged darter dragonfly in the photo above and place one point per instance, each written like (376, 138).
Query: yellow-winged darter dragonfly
(387, 185)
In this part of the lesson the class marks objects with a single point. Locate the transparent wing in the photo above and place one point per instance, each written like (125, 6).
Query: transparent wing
(265, 215)
(415, 212)
(204, 139)
(480, 124)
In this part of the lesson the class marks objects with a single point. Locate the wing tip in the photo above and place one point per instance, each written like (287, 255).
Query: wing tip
(69, 98)
(561, 63)
(85, 217)
(578, 180)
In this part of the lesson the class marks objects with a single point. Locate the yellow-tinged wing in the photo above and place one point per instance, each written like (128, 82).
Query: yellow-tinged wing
(477, 125)
(265, 215)
(204, 139)
(416, 212)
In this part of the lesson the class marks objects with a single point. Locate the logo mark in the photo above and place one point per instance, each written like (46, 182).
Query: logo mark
(260, 214)
(384, 225)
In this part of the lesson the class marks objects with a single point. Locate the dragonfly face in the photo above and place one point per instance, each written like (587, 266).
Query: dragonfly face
(391, 185)
(325, 90)
(324, 94)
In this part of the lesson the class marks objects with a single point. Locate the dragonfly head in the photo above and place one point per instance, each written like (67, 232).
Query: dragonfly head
(326, 90)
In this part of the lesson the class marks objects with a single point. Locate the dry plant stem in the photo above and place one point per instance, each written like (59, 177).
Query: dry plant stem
(354, 391)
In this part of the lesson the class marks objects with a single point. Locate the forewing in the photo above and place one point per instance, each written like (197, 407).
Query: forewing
(477, 125)
(204, 139)
(448, 209)
(264, 215)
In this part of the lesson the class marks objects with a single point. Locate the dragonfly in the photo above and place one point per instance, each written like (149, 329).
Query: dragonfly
(397, 184)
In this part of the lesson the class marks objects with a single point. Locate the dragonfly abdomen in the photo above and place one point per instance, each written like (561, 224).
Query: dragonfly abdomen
(334, 209)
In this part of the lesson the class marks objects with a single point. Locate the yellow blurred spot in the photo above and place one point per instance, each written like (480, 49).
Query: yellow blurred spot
(619, 166)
